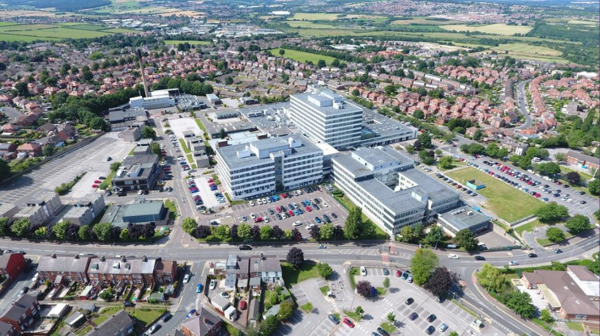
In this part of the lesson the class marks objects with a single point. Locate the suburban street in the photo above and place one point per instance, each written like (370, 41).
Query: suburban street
(522, 103)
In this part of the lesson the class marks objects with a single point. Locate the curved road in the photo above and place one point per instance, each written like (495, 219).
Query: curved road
(522, 102)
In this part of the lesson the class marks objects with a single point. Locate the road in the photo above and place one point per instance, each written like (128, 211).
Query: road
(522, 102)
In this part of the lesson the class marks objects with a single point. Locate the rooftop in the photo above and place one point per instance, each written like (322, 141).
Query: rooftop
(326, 101)
(463, 218)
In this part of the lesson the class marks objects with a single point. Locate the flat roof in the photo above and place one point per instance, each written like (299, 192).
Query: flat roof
(144, 208)
(463, 218)
(324, 96)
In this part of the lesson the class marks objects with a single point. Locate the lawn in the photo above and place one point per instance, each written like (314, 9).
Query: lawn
(302, 56)
(353, 272)
(379, 233)
(546, 242)
(354, 316)
(200, 124)
(184, 147)
(146, 315)
(315, 16)
(30, 32)
(528, 227)
(505, 201)
(292, 276)
(575, 326)
(381, 291)
(309, 24)
(390, 328)
(105, 313)
(324, 290)
(172, 208)
(307, 307)
(455, 164)
(190, 42)
(500, 29)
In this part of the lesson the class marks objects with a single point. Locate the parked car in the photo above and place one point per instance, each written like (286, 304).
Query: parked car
(431, 318)
(443, 327)
(333, 319)
(199, 288)
(430, 330)
(213, 284)
(413, 316)
(243, 305)
(166, 317)
(186, 278)
(409, 301)
(363, 271)
(348, 322)
(381, 331)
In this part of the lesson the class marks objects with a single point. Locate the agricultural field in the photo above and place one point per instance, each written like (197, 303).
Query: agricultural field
(499, 29)
(505, 201)
(175, 42)
(583, 22)
(315, 16)
(25, 13)
(309, 25)
(301, 56)
(424, 20)
(364, 16)
(28, 33)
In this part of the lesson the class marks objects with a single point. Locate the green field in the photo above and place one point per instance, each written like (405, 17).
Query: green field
(423, 20)
(309, 24)
(315, 16)
(190, 42)
(583, 22)
(499, 28)
(32, 32)
(506, 202)
(301, 56)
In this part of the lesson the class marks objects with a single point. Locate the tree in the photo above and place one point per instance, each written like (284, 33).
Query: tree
(548, 168)
(107, 295)
(422, 265)
(115, 166)
(409, 234)
(189, 225)
(244, 231)
(425, 157)
(84, 233)
(102, 231)
(557, 266)
(255, 232)
(354, 223)
(594, 187)
(573, 177)
(3, 226)
(560, 157)
(286, 309)
(20, 227)
(454, 333)
(222, 232)
(277, 232)
(222, 133)
(520, 303)
(148, 132)
(445, 162)
(386, 282)
(391, 318)
(324, 270)
(477, 135)
(355, 93)
(546, 316)
(155, 148)
(578, 224)
(492, 278)
(555, 235)
(359, 311)
(265, 232)
(269, 325)
(326, 231)
(425, 140)
(60, 229)
(228, 80)
(124, 235)
(440, 281)
(314, 232)
(202, 231)
(550, 212)
(466, 239)
(321, 64)
(48, 150)
(22, 90)
(419, 114)
(435, 235)
(363, 288)
(281, 52)
(295, 257)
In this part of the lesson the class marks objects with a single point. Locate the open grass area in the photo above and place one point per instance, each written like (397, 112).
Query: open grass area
(307, 307)
(455, 164)
(309, 24)
(378, 232)
(575, 326)
(324, 290)
(146, 315)
(546, 242)
(423, 20)
(30, 32)
(352, 315)
(353, 272)
(172, 208)
(315, 16)
(292, 276)
(390, 328)
(500, 28)
(528, 227)
(302, 56)
(381, 291)
(183, 41)
(185, 148)
(505, 201)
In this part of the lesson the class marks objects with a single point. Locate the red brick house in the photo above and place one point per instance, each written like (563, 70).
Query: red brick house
(205, 324)
(20, 315)
(128, 270)
(12, 264)
(165, 271)
(60, 268)
(31, 148)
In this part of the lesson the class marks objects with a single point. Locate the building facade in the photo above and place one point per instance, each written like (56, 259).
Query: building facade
(137, 172)
(267, 166)
(324, 116)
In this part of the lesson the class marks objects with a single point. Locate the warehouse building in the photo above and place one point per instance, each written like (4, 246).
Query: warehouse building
(267, 166)
(84, 211)
(141, 212)
(391, 192)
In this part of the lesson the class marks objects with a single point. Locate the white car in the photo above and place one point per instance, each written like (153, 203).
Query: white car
(253, 216)
(310, 226)
(259, 201)
(265, 201)
(213, 284)
(251, 203)
(513, 263)
(452, 256)
(325, 204)
(266, 220)
(363, 271)
(186, 278)
(297, 223)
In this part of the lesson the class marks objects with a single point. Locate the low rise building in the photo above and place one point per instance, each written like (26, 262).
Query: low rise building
(8, 210)
(463, 218)
(109, 272)
(267, 166)
(121, 120)
(137, 172)
(131, 134)
(141, 212)
(120, 324)
(85, 210)
(57, 269)
(581, 160)
(11, 265)
(204, 324)
(22, 313)
(268, 268)
(389, 190)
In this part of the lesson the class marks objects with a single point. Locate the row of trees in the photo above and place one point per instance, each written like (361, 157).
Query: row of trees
(415, 234)
(426, 272)
(65, 230)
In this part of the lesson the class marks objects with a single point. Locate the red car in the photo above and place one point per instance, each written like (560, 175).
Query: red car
(278, 209)
(257, 219)
(538, 195)
(348, 322)
(291, 213)
(243, 305)
(398, 273)
(94, 186)
(283, 195)
(210, 180)
(98, 181)
(308, 209)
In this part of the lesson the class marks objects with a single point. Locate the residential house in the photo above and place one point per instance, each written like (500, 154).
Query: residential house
(32, 149)
(120, 324)
(11, 265)
(64, 268)
(165, 271)
(6, 329)
(267, 267)
(109, 272)
(581, 160)
(205, 324)
(20, 315)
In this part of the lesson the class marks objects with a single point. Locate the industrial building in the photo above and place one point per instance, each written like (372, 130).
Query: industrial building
(390, 191)
(8, 210)
(141, 212)
(40, 208)
(137, 172)
(84, 211)
(266, 166)
(121, 120)
(324, 116)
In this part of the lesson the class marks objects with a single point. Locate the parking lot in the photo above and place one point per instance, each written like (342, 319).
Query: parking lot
(326, 205)
(207, 195)
(90, 159)
(180, 125)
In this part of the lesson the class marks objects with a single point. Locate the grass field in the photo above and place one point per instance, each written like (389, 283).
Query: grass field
(424, 20)
(529, 226)
(500, 29)
(301, 56)
(309, 24)
(315, 16)
(292, 276)
(190, 42)
(31, 32)
(507, 202)
(583, 22)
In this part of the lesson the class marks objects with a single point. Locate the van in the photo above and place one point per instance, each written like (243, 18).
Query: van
(451, 246)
